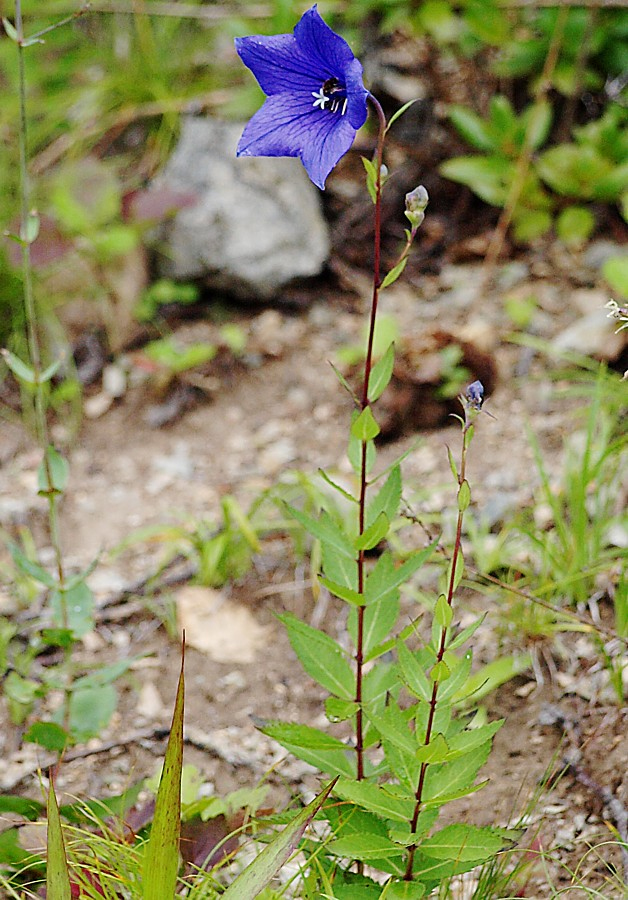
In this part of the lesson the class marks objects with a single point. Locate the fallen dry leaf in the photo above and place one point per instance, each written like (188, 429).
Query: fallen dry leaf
(224, 630)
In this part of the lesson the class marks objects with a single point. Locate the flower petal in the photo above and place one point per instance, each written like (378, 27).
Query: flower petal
(288, 125)
(322, 45)
(278, 63)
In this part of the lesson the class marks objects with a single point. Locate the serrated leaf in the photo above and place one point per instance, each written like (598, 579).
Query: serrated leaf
(454, 777)
(381, 374)
(374, 534)
(437, 751)
(379, 620)
(394, 274)
(338, 568)
(161, 859)
(252, 881)
(325, 530)
(58, 886)
(338, 710)
(321, 657)
(385, 579)
(337, 487)
(342, 592)
(463, 636)
(463, 842)
(364, 847)
(383, 801)
(456, 680)
(388, 497)
(321, 750)
(365, 428)
(413, 675)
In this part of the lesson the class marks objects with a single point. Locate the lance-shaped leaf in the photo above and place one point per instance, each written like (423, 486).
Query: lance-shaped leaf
(58, 885)
(381, 374)
(161, 860)
(315, 747)
(263, 869)
(321, 657)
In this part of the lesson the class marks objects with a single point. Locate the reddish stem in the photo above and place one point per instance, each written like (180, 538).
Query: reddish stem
(368, 364)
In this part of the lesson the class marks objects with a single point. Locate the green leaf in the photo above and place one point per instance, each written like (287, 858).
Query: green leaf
(452, 464)
(338, 710)
(455, 570)
(364, 847)
(471, 738)
(48, 735)
(273, 857)
(374, 534)
(575, 225)
(30, 229)
(21, 806)
(325, 530)
(394, 274)
(385, 579)
(10, 30)
(384, 801)
(91, 711)
(400, 112)
(161, 859)
(537, 121)
(321, 750)
(464, 496)
(58, 885)
(321, 657)
(380, 618)
(354, 453)
(344, 493)
(403, 890)
(342, 592)
(457, 678)
(388, 497)
(455, 778)
(413, 675)
(381, 373)
(489, 177)
(443, 613)
(472, 128)
(437, 751)
(615, 271)
(463, 636)
(79, 609)
(31, 568)
(365, 428)
(52, 474)
(530, 224)
(492, 676)
(21, 370)
(463, 842)
(371, 177)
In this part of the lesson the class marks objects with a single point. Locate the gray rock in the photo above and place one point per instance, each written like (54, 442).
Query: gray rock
(257, 224)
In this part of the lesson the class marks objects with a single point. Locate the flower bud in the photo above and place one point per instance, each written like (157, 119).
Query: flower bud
(416, 201)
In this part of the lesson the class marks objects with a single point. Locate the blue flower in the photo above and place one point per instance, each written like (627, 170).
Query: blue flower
(316, 100)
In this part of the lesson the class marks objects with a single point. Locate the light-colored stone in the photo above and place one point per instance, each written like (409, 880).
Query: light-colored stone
(257, 224)
(593, 335)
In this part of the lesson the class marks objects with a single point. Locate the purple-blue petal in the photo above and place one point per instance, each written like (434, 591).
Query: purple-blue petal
(278, 63)
(319, 43)
(287, 125)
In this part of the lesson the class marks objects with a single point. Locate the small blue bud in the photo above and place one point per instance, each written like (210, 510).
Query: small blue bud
(475, 395)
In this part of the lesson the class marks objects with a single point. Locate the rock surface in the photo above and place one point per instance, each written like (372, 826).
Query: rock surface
(257, 224)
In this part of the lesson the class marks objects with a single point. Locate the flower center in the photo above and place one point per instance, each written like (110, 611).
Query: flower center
(332, 95)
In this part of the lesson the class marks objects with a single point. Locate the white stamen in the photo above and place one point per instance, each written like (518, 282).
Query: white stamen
(320, 98)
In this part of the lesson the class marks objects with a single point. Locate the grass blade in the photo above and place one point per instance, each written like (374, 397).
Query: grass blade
(57, 875)
(161, 861)
(264, 868)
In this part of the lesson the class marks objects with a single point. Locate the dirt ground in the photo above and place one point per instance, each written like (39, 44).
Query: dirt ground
(284, 410)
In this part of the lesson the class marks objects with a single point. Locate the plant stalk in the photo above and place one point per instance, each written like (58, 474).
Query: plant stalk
(439, 656)
(368, 365)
